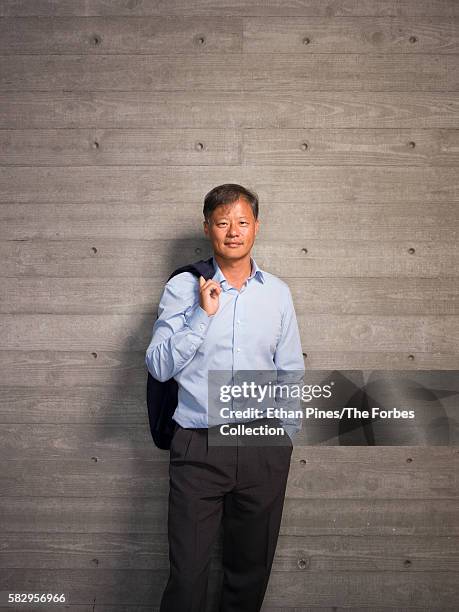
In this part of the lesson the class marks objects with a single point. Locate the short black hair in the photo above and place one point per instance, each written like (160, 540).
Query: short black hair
(227, 194)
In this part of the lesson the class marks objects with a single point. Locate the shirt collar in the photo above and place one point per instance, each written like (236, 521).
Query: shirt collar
(220, 278)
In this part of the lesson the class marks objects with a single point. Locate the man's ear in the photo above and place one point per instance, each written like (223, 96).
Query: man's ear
(206, 227)
(257, 224)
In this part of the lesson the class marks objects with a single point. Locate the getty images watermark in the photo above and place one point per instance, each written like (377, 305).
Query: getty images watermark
(346, 407)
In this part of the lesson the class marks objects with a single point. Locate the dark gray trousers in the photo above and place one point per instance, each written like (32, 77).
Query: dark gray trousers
(242, 486)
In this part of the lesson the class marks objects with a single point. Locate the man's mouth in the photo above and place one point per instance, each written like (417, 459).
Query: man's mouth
(233, 243)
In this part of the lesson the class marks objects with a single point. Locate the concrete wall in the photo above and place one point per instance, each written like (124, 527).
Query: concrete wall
(116, 118)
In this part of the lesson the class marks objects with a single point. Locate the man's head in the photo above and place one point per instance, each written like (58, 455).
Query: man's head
(231, 220)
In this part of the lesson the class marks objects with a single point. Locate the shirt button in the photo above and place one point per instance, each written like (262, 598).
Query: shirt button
(193, 346)
(239, 320)
(201, 326)
(238, 350)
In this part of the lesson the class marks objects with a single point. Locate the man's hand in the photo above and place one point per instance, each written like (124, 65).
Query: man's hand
(208, 295)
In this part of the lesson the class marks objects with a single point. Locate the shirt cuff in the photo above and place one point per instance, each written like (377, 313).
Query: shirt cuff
(291, 429)
(198, 320)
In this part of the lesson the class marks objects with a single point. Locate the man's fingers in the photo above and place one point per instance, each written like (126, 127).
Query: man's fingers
(210, 284)
(205, 282)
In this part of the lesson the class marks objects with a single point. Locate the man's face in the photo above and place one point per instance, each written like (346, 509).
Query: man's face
(232, 229)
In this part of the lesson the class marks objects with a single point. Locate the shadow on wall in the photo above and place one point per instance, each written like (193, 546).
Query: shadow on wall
(404, 408)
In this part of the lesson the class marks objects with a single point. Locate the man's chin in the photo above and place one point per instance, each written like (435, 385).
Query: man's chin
(233, 253)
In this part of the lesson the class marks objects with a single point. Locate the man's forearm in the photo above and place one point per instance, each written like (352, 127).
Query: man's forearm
(165, 357)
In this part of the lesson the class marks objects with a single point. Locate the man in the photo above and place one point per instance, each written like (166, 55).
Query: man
(241, 319)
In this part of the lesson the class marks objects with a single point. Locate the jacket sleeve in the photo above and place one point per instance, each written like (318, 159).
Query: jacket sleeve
(290, 364)
(179, 330)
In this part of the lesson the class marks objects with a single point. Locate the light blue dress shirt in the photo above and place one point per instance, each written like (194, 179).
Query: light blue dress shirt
(254, 329)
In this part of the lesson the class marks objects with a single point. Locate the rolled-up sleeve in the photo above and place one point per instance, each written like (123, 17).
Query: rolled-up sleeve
(179, 330)
(289, 361)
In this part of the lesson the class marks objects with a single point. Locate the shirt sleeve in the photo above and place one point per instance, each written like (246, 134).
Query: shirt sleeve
(289, 361)
(179, 330)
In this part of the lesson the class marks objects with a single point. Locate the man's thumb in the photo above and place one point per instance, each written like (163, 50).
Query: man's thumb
(202, 281)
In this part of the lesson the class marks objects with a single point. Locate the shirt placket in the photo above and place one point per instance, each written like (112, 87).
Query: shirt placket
(239, 346)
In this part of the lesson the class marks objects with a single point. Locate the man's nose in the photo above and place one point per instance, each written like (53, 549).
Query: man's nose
(232, 230)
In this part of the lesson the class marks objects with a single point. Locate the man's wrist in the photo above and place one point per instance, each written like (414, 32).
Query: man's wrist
(198, 320)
